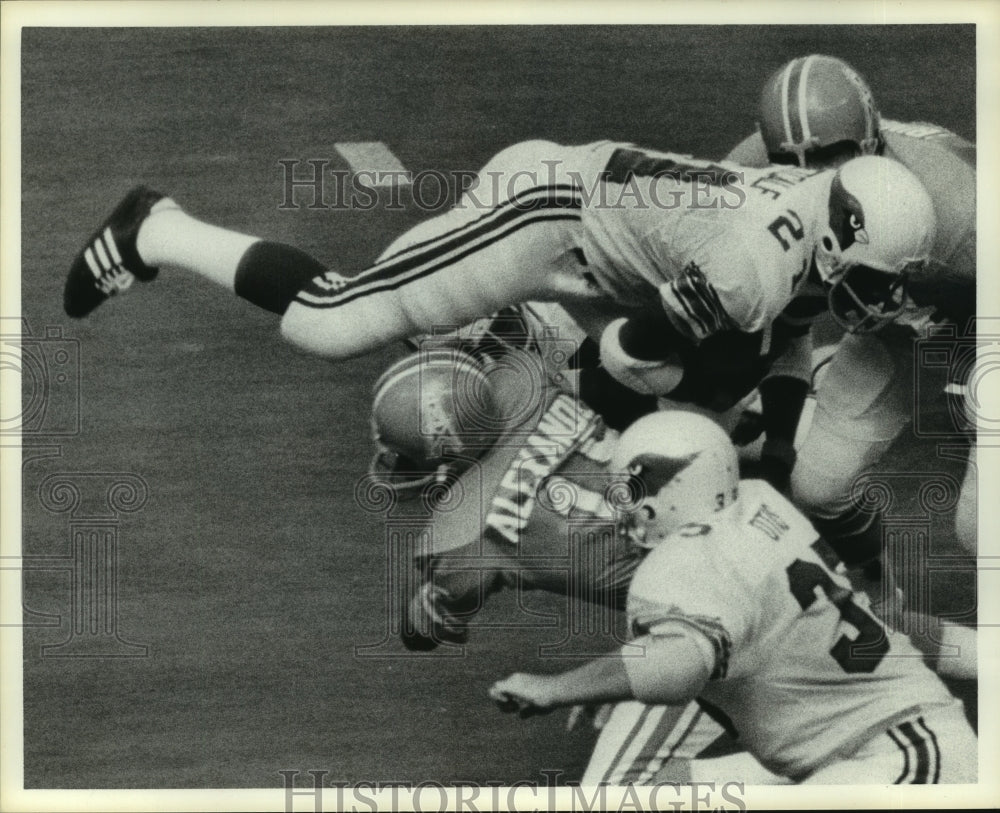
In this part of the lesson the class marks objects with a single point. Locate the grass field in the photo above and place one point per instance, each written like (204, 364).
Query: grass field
(251, 574)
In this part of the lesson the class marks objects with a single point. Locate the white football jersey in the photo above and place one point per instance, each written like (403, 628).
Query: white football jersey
(800, 667)
(725, 246)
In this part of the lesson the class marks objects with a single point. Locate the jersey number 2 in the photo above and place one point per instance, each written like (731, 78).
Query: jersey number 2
(864, 653)
(790, 223)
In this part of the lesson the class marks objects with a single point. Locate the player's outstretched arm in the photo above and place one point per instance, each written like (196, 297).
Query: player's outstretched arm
(655, 669)
(600, 680)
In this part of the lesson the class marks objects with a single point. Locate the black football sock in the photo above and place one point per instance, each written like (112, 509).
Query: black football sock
(855, 535)
(270, 274)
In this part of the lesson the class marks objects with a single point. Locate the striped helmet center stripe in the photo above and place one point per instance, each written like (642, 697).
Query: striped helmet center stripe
(790, 94)
(803, 101)
(785, 79)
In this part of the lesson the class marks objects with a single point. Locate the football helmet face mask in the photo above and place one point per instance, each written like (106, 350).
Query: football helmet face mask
(816, 111)
(680, 468)
(881, 227)
(433, 414)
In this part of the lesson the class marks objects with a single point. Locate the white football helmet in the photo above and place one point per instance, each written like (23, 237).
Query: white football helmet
(881, 228)
(433, 412)
(681, 469)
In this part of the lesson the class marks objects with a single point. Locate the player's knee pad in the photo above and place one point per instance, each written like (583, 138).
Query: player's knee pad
(816, 493)
(829, 462)
(854, 532)
(867, 388)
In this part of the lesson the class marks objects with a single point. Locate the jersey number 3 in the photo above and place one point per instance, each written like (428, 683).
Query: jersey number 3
(864, 653)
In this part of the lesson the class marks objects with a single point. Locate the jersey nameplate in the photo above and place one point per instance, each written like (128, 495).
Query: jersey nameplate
(774, 183)
(563, 427)
(769, 523)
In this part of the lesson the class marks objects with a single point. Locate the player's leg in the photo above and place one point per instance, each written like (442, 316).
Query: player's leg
(932, 748)
(515, 242)
(147, 231)
(862, 404)
(513, 237)
(427, 290)
(736, 767)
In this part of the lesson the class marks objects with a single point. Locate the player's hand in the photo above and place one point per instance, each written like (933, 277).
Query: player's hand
(527, 695)
(749, 427)
(430, 620)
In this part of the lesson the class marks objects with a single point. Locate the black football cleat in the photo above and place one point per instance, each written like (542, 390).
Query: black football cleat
(109, 263)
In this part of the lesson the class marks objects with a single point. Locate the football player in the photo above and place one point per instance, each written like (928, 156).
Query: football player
(530, 466)
(485, 418)
(605, 229)
(816, 111)
(635, 736)
(763, 629)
